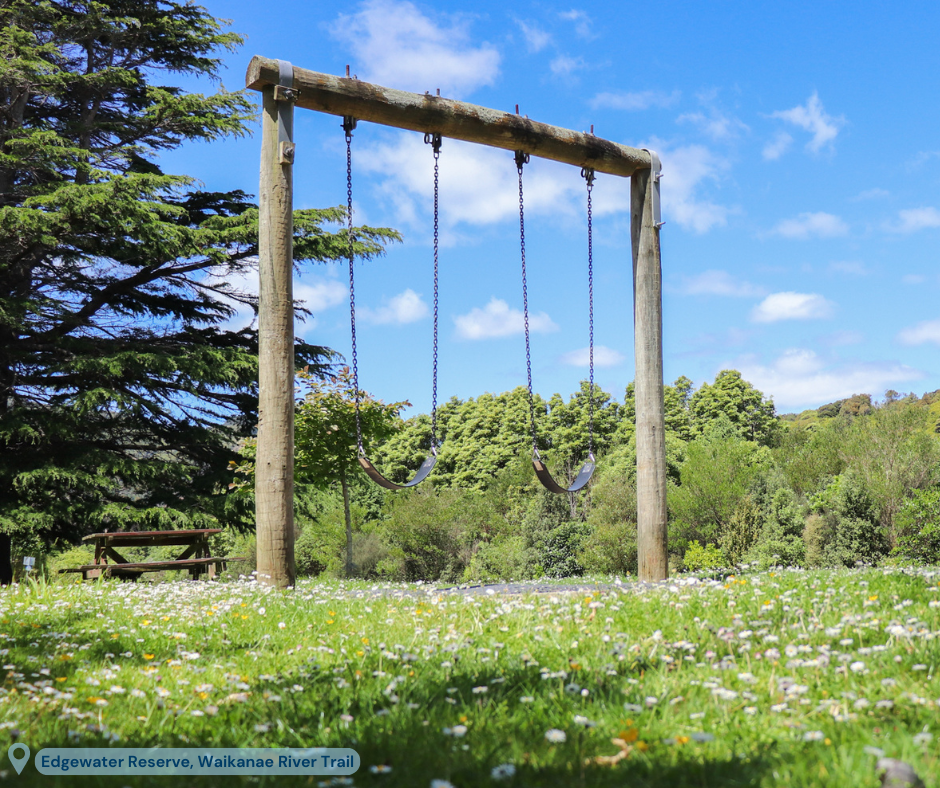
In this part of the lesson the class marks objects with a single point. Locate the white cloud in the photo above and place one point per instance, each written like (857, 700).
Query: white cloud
(812, 225)
(398, 46)
(634, 101)
(720, 283)
(320, 295)
(850, 267)
(914, 219)
(799, 378)
(923, 332)
(774, 149)
(496, 319)
(871, 194)
(581, 21)
(406, 307)
(792, 306)
(913, 279)
(684, 171)
(603, 357)
(715, 124)
(846, 337)
(478, 184)
(536, 39)
(813, 118)
(565, 65)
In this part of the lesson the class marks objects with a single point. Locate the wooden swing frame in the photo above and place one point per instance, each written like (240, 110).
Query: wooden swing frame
(283, 87)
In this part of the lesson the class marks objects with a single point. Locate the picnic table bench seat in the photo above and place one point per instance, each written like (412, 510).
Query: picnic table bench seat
(195, 558)
(196, 566)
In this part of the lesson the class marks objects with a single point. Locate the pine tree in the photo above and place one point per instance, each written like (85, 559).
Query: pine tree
(122, 390)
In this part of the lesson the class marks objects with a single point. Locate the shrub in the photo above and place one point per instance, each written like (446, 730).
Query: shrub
(321, 546)
(814, 540)
(918, 524)
(849, 532)
(780, 542)
(69, 559)
(610, 547)
(698, 558)
(504, 558)
(562, 544)
(741, 532)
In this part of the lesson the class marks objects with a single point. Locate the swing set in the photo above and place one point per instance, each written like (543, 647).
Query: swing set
(283, 86)
(541, 470)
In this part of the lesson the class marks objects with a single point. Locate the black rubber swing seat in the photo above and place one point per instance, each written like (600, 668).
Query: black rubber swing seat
(583, 477)
(373, 473)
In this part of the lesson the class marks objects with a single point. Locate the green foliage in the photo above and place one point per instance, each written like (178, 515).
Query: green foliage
(325, 440)
(849, 531)
(810, 458)
(780, 542)
(742, 531)
(719, 470)
(122, 391)
(432, 533)
(752, 416)
(918, 523)
(700, 558)
(893, 451)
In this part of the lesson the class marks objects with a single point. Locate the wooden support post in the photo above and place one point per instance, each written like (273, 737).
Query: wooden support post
(648, 343)
(274, 467)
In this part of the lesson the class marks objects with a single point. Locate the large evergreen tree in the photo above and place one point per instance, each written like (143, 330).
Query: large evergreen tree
(121, 389)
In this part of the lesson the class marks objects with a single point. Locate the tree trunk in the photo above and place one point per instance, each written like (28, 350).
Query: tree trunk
(350, 567)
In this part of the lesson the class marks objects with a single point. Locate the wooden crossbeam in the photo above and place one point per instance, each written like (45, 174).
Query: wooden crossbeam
(453, 119)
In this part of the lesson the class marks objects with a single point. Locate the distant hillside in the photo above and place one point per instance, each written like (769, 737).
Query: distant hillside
(859, 405)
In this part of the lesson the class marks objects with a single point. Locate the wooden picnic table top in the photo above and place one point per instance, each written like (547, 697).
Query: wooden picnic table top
(129, 538)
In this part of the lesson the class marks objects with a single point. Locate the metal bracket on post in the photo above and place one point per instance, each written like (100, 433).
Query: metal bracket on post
(656, 173)
(285, 95)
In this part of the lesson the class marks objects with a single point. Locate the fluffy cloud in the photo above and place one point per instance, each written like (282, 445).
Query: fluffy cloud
(813, 118)
(396, 45)
(914, 219)
(580, 20)
(536, 39)
(774, 149)
(478, 183)
(812, 225)
(565, 65)
(792, 306)
(406, 307)
(923, 332)
(603, 357)
(320, 295)
(634, 101)
(715, 124)
(685, 169)
(496, 319)
(800, 378)
(720, 283)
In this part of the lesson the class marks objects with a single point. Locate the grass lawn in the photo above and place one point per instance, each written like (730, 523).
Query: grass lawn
(784, 678)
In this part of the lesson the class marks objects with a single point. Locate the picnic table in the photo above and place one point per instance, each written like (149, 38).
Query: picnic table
(195, 556)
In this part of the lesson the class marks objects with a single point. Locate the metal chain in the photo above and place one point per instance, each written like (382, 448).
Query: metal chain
(349, 124)
(522, 158)
(588, 175)
(435, 141)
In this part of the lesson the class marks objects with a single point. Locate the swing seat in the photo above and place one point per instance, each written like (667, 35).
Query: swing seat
(379, 479)
(583, 477)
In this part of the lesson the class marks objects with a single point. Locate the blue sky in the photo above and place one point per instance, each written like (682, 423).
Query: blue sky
(801, 190)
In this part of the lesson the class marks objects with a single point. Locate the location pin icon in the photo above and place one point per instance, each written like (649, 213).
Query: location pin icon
(18, 761)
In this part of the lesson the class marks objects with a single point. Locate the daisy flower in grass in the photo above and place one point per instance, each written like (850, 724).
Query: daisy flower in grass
(556, 736)
(503, 771)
